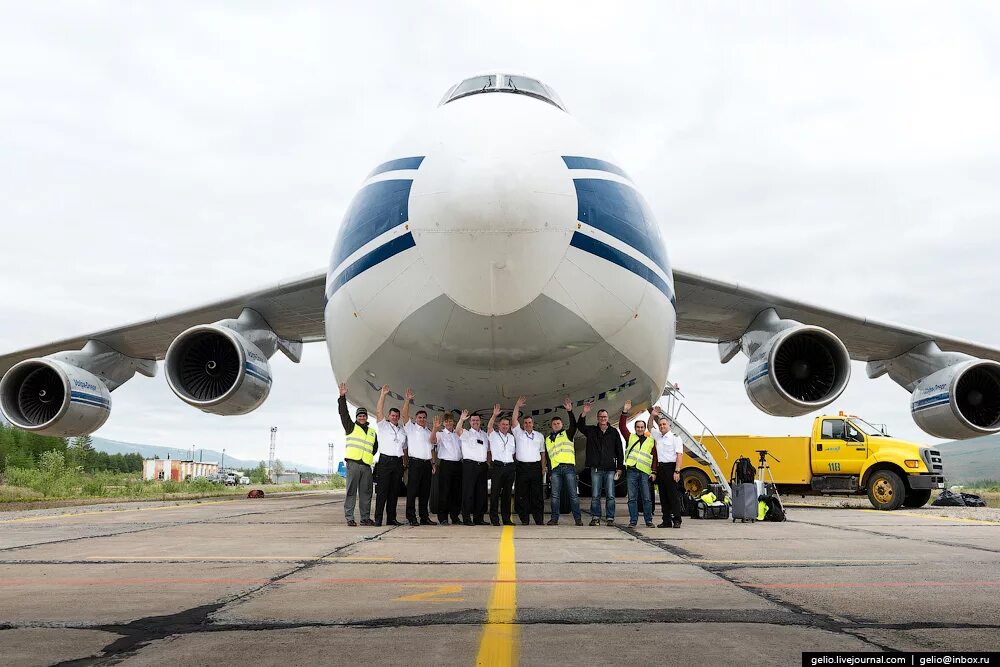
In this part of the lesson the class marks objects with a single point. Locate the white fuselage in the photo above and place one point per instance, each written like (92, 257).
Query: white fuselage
(500, 251)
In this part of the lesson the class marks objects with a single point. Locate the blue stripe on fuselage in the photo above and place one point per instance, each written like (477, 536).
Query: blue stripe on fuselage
(620, 211)
(377, 208)
(376, 256)
(579, 162)
(398, 164)
(616, 256)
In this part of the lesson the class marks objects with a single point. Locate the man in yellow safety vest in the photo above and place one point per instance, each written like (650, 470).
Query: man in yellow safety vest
(561, 452)
(362, 445)
(638, 468)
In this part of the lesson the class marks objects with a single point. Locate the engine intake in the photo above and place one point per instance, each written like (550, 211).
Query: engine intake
(797, 370)
(960, 401)
(52, 397)
(217, 370)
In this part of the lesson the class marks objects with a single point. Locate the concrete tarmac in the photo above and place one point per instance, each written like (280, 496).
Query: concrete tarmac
(283, 581)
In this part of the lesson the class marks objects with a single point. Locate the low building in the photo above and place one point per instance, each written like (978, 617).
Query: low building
(177, 470)
(288, 477)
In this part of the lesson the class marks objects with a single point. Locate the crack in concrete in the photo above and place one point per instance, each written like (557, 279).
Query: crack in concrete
(922, 540)
(816, 619)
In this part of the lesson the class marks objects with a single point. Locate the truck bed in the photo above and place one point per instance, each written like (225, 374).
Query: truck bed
(793, 468)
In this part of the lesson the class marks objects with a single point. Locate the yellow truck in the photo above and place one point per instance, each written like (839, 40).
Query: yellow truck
(844, 455)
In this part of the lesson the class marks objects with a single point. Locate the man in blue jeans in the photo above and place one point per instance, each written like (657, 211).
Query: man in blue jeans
(561, 452)
(639, 469)
(605, 460)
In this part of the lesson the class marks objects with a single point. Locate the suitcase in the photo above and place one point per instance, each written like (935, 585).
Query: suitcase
(703, 511)
(745, 502)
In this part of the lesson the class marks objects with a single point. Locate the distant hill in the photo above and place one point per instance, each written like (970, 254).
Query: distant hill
(207, 455)
(971, 460)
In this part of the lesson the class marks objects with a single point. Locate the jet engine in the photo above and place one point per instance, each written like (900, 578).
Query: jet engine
(54, 398)
(794, 368)
(953, 395)
(223, 368)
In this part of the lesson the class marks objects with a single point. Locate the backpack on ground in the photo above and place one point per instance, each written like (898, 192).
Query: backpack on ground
(775, 512)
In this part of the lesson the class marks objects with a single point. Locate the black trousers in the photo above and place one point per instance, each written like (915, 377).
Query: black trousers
(418, 487)
(389, 473)
(501, 490)
(474, 476)
(449, 490)
(670, 492)
(529, 492)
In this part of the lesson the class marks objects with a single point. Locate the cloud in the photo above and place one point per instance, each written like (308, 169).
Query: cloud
(156, 157)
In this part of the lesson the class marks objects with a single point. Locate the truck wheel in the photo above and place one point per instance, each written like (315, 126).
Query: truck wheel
(694, 482)
(886, 490)
(917, 498)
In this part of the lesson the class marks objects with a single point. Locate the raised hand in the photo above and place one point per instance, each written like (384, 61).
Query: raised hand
(521, 401)
(436, 422)
(343, 389)
(384, 390)
(408, 395)
(655, 411)
(628, 406)
(586, 407)
(568, 404)
(496, 409)
(465, 415)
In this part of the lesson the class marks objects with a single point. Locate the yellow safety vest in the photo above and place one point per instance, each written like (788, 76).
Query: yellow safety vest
(640, 456)
(560, 450)
(361, 445)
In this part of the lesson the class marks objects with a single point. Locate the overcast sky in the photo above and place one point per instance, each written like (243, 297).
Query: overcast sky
(158, 155)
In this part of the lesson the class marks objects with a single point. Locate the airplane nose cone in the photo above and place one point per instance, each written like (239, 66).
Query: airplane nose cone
(493, 222)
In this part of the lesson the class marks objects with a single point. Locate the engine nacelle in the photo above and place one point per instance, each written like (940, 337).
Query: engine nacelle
(51, 397)
(797, 370)
(217, 370)
(960, 401)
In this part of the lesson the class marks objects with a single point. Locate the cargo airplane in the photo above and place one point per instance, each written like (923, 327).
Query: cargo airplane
(499, 250)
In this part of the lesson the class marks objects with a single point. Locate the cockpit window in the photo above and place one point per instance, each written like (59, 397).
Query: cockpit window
(504, 83)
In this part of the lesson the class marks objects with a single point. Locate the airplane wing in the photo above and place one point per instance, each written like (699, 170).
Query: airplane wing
(710, 310)
(293, 309)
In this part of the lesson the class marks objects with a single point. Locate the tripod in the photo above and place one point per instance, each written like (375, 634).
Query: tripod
(764, 471)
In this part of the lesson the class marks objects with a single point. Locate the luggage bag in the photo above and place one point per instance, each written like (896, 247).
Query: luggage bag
(745, 502)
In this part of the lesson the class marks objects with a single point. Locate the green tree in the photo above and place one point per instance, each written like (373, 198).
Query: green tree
(279, 467)
(258, 475)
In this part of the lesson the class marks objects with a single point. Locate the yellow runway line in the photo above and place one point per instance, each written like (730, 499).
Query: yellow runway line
(70, 515)
(500, 641)
(938, 517)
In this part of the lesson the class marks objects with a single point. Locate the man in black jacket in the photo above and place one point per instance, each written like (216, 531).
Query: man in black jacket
(605, 458)
(359, 471)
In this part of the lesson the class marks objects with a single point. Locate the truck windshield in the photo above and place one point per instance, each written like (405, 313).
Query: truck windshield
(868, 429)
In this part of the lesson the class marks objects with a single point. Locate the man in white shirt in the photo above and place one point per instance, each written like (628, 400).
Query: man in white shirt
(475, 457)
(421, 462)
(667, 461)
(528, 447)
(389, 469)
(502, 472)
(449, 458)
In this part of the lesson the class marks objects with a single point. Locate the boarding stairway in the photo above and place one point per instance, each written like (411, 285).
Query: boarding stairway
(675, 407)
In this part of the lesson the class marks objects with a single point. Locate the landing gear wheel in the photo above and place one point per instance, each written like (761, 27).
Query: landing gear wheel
(694, 481)
(917, 498)
(886, 490)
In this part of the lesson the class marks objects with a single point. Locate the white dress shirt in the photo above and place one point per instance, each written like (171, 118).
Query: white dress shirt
(528, 446)
(668, 446)
(502, 446)
(474, 444)
(449, 446)
(418, 440)
(391, 439)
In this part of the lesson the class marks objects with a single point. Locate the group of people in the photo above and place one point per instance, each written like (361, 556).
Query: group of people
(513, 456)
